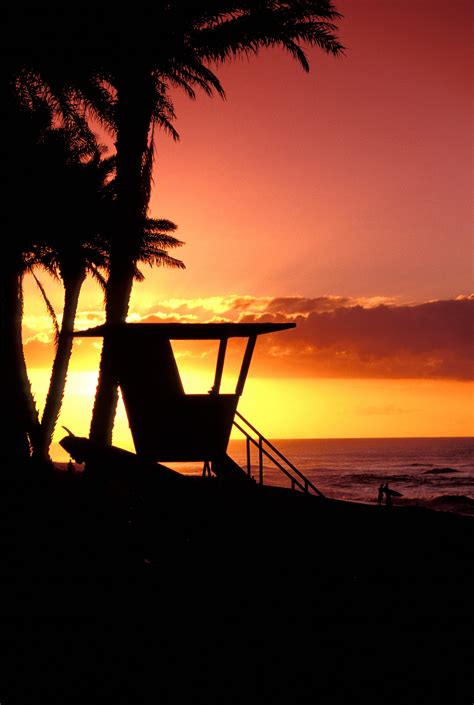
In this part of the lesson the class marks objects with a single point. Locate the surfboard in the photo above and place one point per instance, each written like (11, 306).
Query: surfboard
(394, 493)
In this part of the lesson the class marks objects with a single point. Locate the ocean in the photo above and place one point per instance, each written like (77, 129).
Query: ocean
(435, 472)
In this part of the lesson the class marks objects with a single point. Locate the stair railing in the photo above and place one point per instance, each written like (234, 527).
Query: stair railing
(268, 450)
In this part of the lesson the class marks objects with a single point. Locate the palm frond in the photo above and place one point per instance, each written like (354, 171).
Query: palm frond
(166, 226)
(99, 277)
(269, 24)
(49, 307)
(161, 241)
(163, 111)
(147, 170)
(137, 274)
(191, 72)
(155, 257)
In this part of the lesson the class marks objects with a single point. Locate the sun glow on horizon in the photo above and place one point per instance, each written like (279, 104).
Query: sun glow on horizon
(301, 408)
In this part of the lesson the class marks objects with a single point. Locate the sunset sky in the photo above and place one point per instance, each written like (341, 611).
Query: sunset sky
(341, 200)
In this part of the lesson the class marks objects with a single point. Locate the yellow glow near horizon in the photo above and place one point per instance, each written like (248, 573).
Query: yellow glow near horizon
(302, 408)
(359, 408)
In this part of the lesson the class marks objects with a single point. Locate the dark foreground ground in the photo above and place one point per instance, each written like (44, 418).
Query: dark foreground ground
(209, 594)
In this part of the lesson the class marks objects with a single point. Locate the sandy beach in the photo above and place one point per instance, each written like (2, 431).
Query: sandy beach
(230, 594)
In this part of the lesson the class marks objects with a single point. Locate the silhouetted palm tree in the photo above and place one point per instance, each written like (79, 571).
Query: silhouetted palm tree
(20, 423)
(29, 105)
(20, 163)
(87, 190)
(72, 247)
(170, 47)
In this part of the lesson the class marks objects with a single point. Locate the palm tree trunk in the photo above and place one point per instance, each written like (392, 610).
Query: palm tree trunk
(20, 423)
(119, 287)
(72, 289)
(134, 115)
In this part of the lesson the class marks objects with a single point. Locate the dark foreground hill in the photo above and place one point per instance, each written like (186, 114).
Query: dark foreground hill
(214, 593)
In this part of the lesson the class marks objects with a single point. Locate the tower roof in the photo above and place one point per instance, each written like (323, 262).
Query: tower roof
(185, 331)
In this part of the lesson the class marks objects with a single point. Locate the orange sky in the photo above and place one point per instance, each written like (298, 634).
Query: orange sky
(341, 199)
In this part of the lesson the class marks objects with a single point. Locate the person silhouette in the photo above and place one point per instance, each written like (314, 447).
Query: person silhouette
(388, 496)
(70, 467)
(381, 493)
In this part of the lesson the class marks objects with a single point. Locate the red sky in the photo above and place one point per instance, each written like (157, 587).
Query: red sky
(354, 180)
(321, 197)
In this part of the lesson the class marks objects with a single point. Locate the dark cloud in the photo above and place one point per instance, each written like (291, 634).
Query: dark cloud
(430, 340)
(235, 307)
(298, 305)
(337, 336)
(334, 336)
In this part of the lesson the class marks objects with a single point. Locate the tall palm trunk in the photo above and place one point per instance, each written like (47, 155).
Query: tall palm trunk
(72, 288)
(19, 427)
(134, 117)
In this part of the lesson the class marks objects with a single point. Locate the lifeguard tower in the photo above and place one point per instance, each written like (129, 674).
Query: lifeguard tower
(169, 425)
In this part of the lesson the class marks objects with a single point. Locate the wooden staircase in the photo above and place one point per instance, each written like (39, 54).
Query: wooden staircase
(266, 450)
